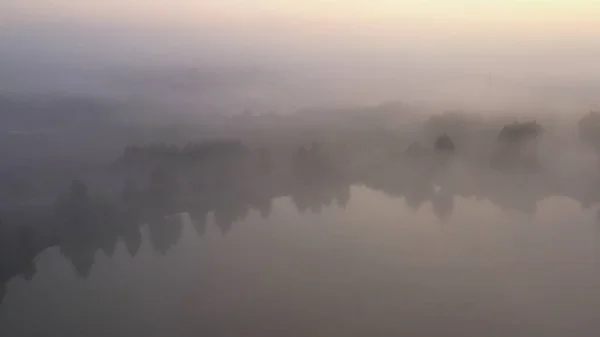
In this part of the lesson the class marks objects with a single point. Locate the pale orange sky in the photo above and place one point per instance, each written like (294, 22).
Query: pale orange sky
(479, 12)
(572, 25)
(515, 38)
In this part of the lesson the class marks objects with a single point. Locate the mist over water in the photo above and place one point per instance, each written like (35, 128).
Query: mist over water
(481, 231)
(294, 168)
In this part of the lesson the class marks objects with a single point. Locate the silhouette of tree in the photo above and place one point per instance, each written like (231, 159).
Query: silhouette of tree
(454, 124)
(518, 146)
(444, 144)
(518, 133)
(415, 150)
(589, 129)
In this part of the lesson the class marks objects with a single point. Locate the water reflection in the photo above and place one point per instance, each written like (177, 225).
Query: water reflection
(154, 186)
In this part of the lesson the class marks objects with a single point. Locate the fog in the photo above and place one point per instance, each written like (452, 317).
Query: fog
(299, 168)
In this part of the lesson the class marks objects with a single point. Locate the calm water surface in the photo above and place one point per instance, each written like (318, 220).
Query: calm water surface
(377, 267)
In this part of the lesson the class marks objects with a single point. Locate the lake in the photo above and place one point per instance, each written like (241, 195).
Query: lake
(372, 265)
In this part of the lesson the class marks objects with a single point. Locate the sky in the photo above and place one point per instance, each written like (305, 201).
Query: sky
(489, 26)
(470, 23)
(431, 25)
(480, 14)
(550, 39)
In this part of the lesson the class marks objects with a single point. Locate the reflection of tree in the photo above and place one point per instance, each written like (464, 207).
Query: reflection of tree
(162, 191)
(342, 195)
(2, 290)
(198, 217)
(229, 180)
(443, 204)
(165, 232)
(82, 256)
(18, 249)
(85, 223)
(26, 252)
(417, 195)
(224, 220)
(264, 206)
(133, 239)
(131, 207)
(316, 180)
